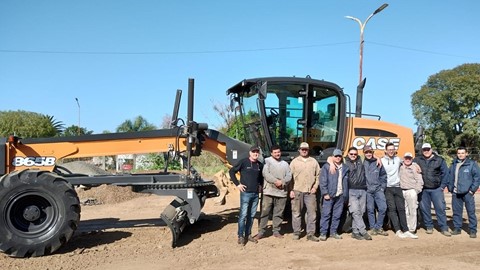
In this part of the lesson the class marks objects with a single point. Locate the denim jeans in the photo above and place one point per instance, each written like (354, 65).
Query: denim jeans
(278, 206)
(304, 200)
(457, 206)
(248, 209)
(396, 208)
(376, 198)
(435, 196)
(331, 214)
(357, 203)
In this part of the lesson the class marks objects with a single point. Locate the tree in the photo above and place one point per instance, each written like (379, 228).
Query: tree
(74, 130)
(448, 107)
(138, 124)
(28, 124)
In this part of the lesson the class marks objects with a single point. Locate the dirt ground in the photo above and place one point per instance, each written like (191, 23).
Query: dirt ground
(123, 231)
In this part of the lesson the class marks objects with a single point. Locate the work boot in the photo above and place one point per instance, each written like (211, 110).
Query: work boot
(381, 232)
(335, 236)
(373, 232)
(312, 237)
(446, 233)
(366, 236)
(258, 236)
(456, 231)
(241, 241)
(252, 239)
(296, 236)
(277, 235)
(473, 235)
(322, 237)
(429, 230)
(357, 236)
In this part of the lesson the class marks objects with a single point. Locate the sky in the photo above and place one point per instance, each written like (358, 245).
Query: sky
(125, 58)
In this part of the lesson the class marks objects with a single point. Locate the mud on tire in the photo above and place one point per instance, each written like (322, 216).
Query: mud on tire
(39, 212)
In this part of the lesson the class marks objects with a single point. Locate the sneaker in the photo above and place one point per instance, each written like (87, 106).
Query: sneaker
(456, 231)
(410, 235)
(381, 232)
(335, 236)
(311, 237)
(473, 235)
(323, 237)
(296, 236)
(373, 232)
(241, 241)
(259, 236)
(446, 233)
(357, 236)
(252, 239)
(366, 236)
(400, 234)
(277, 235)
(429, 230)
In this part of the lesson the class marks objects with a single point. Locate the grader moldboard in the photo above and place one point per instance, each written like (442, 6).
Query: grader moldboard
(40, 209)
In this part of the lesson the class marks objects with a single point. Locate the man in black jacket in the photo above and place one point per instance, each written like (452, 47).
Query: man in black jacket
(250, 184)
(435, 177)
(357, 194)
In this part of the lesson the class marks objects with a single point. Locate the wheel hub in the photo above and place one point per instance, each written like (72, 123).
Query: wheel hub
(31, 213)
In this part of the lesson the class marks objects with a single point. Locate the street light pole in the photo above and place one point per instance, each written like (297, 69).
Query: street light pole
(362, 28)
(78, 104)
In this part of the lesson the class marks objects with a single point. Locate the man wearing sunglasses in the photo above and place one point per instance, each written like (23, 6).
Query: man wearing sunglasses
(357, 194)
(435, 178)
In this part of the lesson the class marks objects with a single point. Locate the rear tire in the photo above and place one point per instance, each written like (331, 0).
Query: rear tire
(39, 212)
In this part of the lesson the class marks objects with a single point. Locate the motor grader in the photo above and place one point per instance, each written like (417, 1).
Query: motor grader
(40, 210)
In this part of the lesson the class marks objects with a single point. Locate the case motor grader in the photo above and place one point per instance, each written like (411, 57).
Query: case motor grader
(40, 209)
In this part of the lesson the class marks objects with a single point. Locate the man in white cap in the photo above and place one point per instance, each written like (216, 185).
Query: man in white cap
(411, 183)
(305, 172)
(435, 178)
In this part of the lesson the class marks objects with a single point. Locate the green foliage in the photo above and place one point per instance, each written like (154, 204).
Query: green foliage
(156, 161)
(448, 106)
(138, 124)
(28, 124)
(74, 130)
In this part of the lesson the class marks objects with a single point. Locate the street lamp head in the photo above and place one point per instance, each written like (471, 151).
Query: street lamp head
(382, 7)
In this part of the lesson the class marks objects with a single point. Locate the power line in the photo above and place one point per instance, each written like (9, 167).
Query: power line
(178, 52)
(232, 51)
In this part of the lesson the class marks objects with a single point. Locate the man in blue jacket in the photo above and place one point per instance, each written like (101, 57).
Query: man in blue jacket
(334, 192)
(376, 184)
(463, 182)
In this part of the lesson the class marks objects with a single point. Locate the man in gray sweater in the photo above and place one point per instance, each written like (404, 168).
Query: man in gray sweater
(277, 176)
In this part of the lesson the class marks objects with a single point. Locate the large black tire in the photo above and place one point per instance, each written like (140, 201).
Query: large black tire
(39, 212)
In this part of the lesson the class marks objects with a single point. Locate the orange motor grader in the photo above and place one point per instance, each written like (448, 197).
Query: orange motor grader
(40, 210)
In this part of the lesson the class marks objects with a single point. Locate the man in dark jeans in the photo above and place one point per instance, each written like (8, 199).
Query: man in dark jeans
(394, 194)
(463, 182)
(435, 177)
(250, 184)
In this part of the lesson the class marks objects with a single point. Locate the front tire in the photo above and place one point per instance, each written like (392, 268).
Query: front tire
(39, 212)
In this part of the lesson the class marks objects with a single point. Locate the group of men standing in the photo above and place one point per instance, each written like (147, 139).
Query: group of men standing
(387, 186)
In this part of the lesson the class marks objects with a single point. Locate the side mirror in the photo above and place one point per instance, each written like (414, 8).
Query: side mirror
(262, 92)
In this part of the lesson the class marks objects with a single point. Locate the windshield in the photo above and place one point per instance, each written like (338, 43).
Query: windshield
(291, 113)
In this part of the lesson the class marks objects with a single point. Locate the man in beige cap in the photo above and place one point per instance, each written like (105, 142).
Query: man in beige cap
(303, 188)
(411, 183)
